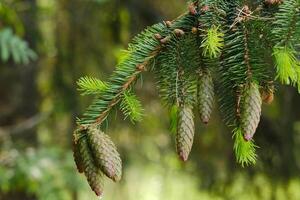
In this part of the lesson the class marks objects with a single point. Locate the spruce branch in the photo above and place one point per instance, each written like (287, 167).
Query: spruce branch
(141, 52)
(98, 119)
(175, 73)
(287, 23)
(242, 71)
(219, 43)
(287, 36)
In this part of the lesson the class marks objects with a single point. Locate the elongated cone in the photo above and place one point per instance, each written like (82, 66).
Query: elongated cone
(77, 157)
(205, 96)
(272, 2)
(185, 132)
(105, 153)
(93, 174)
(251, 111)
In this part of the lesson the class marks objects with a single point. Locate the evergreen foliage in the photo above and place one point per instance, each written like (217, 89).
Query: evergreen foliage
(12, 46)
(90, 85)
(131, 107)
(221, 43)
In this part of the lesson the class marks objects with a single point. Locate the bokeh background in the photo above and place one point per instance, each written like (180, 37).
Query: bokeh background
(39, 104)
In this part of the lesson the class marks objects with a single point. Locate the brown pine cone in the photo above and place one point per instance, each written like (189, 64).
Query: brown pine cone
(251, 111)
(105, 154)
(185, 132)
(273, 2)
(77, 157)
(93, 174)
(205, 96)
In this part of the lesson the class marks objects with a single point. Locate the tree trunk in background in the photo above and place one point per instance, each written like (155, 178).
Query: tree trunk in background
(18, 84)
(29, 95)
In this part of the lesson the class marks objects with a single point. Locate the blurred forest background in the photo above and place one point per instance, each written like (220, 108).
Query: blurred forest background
(46, 45)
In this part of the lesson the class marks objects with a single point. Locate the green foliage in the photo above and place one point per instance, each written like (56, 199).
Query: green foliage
(212, 13)
(213, 42)
(287, 23)
(244, 150)
(91, 86)
(131, 107)
(81, 36)
(230, 40)
(211, 23)
(286, 34)
(13, 46)
(176, 74)
(139, 54)
(287, 65)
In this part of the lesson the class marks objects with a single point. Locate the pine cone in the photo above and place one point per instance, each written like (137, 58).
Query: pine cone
(105, 154)
(77, 157)
(251, 111)
(185, 132)
(205, 96)
(273, 2)
(93, 174)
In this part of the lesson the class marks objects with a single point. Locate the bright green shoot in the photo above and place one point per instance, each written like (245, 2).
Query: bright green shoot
(244, 150)
(213, 42)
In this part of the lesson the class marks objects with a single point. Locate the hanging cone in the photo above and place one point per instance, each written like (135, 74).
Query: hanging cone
(251, 111)
(185, 132)
(273, 2)
(77, 157)
(94, 175)
(105, 153)
(205, 96)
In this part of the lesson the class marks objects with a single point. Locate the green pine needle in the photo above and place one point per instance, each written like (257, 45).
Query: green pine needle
(286, 64)
(90, 85)
(244, 150)
(213, 42)
(131, 107)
